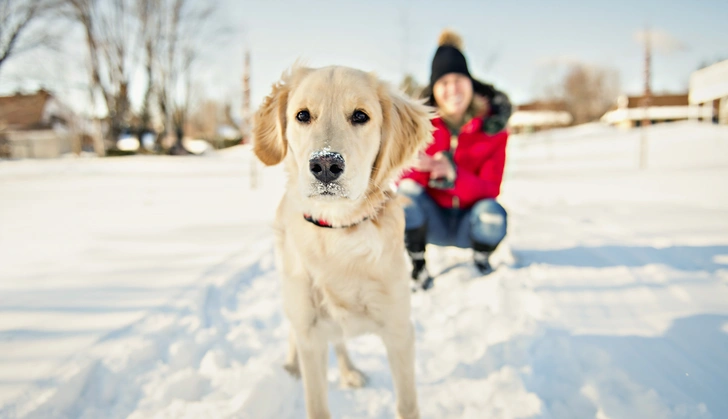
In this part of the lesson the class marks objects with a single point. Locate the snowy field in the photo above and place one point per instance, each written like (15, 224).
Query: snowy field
(144, 287)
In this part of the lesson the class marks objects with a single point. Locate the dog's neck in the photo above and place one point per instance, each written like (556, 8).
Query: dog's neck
(373, 204)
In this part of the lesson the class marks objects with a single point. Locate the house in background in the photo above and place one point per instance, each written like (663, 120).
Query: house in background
(709, 91)
(35, 125)
(538, 116)
(630, 110)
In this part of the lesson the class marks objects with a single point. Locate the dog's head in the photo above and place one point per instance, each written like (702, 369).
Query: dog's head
(345, 132)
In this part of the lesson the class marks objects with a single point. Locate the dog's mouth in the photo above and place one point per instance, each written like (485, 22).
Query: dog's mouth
(332, 190)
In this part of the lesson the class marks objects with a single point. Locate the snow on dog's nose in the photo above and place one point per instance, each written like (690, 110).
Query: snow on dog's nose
(326, 166)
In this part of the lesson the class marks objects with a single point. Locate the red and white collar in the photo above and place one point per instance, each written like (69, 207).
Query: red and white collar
(325, 224)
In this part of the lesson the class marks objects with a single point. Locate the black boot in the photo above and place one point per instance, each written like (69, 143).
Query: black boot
(415, 241)
(481, 256)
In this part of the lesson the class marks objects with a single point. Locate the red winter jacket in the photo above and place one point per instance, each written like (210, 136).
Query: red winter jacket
(479, 161)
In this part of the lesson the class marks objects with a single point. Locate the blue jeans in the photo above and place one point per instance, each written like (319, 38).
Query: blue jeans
(484, 223)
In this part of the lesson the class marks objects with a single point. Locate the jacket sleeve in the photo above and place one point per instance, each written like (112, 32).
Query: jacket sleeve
(420, 177)
(486, 183)
(500, 112)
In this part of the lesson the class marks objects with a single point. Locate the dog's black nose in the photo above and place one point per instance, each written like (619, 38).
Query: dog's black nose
(326, 166)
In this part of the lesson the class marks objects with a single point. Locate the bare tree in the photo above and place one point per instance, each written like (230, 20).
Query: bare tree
(110, 30)
(410, 86)
(184, 35)
(587, 91)
(164, 38)
(16, 17)
(149, 12)
(204, 119)
(207, 117)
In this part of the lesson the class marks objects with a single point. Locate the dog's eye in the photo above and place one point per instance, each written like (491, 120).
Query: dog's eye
(359, 117)
(303, 116)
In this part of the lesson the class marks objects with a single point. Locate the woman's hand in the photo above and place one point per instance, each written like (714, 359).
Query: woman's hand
(424, 162)
(441, 167)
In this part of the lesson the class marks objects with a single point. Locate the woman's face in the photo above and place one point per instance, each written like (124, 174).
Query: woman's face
(453, 93)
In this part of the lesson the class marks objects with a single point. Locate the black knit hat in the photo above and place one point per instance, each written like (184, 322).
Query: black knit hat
(450, 59)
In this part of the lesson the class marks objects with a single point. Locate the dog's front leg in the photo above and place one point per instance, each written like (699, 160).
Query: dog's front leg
(400, 344)
(312, 357)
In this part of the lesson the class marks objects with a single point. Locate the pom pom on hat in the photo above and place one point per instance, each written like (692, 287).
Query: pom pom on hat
(450, 38)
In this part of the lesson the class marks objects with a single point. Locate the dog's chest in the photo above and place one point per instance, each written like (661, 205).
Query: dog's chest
(347, 311)
(349, 279)
(340, 249)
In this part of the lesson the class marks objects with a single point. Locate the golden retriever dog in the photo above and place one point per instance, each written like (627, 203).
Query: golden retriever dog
(343, 135)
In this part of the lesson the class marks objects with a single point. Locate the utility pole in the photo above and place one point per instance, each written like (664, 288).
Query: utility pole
(646, 100)
(246, 112)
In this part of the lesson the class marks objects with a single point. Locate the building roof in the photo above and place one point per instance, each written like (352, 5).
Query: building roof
(542, 105)
(541, 113)
(24, 111)
(657, 100)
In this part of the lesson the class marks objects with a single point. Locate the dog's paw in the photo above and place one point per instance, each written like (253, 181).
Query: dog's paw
(293, 369)
(353, 378)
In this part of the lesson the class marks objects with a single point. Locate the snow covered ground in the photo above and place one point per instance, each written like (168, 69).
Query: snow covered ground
(144, 287)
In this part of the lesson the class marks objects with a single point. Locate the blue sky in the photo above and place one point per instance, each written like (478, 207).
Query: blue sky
(518, 45)
(514, 44)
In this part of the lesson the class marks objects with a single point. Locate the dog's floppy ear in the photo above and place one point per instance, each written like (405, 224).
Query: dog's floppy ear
(270, 143)
(269, 133)
(406, 129)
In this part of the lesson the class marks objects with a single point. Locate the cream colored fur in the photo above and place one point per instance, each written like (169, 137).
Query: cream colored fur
(342, 282)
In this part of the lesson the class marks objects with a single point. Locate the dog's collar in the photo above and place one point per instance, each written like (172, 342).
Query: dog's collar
(325, 224)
